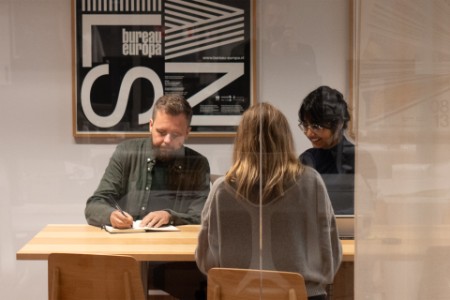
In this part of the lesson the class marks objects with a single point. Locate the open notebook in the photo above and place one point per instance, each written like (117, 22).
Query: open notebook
(137, 228)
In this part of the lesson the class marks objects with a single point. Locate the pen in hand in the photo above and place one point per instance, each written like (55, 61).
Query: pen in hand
(119, 222)
(116, 206)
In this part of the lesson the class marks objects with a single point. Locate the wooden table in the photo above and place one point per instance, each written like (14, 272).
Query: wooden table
(149, 246)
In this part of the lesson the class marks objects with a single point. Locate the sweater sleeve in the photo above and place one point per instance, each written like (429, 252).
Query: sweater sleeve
(330, 242)
(206, 253)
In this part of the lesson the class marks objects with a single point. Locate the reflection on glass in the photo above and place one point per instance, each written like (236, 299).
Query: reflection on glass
(403, 98)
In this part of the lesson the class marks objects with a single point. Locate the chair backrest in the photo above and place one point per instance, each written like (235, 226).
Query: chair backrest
(240, 284)
(94, 276)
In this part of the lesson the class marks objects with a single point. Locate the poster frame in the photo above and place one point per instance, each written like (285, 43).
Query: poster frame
(209, 122)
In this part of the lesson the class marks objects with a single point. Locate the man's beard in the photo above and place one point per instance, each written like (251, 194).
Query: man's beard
(166, 154)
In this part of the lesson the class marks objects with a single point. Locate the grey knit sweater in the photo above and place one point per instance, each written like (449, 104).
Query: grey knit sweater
(298, 232)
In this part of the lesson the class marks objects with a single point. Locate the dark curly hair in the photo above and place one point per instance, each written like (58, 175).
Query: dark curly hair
(326, 107)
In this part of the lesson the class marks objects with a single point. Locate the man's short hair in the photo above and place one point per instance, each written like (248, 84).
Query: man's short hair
(173, 105)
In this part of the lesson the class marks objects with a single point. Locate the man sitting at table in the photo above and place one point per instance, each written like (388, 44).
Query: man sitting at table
(157, 180)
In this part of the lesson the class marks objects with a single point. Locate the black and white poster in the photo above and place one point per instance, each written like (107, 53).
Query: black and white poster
(128, 53)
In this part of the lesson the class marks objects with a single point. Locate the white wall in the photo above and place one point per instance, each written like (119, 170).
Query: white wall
(46, 177)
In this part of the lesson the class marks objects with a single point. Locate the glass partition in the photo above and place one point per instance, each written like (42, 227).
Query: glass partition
(48, 175)
(402, 91)
(388, 58)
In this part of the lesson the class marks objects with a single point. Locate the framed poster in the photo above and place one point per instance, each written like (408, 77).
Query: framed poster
(128, 53)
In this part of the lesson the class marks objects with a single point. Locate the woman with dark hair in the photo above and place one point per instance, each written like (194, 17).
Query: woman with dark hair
(323, 118)
(270, 212)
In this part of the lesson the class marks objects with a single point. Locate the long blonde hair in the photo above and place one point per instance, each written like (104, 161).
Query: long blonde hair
(263, 157)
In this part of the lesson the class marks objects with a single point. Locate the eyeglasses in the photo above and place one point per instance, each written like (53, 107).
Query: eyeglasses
(316, 128)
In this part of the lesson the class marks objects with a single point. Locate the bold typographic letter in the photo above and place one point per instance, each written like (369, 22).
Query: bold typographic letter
(127, 82)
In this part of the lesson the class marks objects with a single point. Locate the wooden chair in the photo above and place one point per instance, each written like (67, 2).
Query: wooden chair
(96, 277)
(244, 284)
